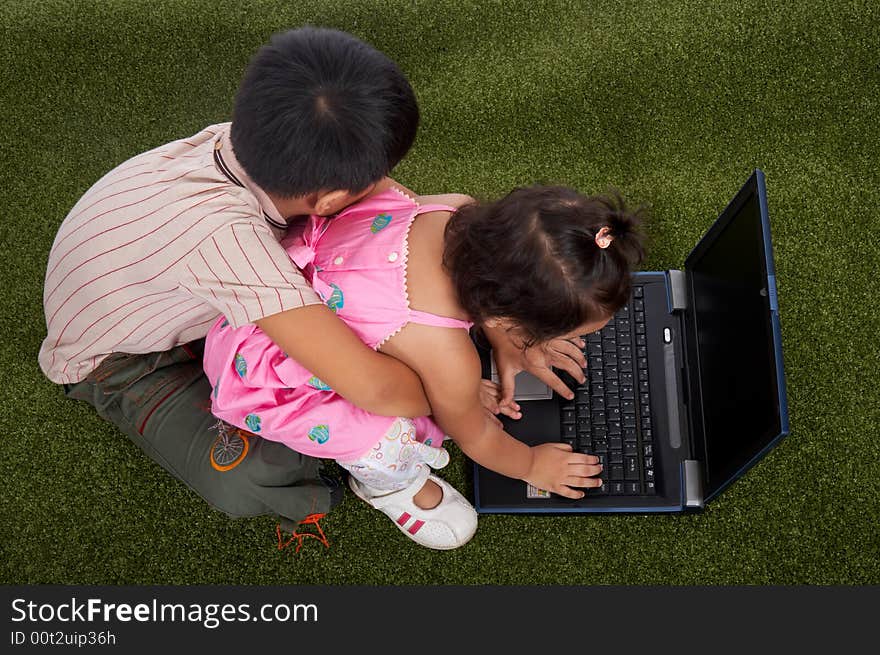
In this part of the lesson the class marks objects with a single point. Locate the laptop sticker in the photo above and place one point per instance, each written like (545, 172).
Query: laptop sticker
(533, 492)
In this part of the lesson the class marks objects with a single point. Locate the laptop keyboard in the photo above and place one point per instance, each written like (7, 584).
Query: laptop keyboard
(610, 415)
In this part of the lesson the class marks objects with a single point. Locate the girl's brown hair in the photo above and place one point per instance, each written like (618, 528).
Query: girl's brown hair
(532, 257)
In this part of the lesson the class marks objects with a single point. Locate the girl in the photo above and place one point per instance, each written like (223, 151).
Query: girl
(410, 277)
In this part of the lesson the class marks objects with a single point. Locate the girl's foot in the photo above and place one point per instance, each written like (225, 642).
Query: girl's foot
(449, 524)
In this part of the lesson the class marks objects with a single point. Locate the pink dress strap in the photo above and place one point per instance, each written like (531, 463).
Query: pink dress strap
(424, 209)
(426, 318)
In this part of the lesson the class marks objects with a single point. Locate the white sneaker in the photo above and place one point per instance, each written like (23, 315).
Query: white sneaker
(449, 525)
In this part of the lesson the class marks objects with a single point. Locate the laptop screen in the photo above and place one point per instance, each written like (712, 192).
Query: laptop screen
(738, 352)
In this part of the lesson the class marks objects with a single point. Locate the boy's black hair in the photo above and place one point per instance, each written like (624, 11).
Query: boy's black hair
(319, 109)
(532, 257)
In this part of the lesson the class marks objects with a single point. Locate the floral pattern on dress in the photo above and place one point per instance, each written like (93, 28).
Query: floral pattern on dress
(380, 222)
(336, 300)
(253, 422)
(240, 365)
(320, 433)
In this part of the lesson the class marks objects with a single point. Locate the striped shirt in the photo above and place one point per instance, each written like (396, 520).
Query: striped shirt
(156, 250)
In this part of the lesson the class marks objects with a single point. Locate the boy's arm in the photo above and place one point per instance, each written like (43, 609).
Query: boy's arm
(319, 340)
(244, 273)
(450, 373)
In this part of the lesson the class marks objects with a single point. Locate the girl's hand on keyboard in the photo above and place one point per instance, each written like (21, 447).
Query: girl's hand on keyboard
(539, 360)
(565, 354)
(556, 468)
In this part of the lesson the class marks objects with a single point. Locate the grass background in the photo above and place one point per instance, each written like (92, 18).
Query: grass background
(673, 102)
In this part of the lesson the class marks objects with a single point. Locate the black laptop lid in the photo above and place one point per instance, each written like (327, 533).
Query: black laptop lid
(734, 341)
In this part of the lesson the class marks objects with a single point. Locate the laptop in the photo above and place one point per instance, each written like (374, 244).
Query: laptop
(685, 387)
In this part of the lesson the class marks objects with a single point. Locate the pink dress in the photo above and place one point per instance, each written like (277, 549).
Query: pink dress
(356, 262)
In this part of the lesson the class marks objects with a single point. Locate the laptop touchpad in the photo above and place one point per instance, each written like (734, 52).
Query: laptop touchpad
(528, 387)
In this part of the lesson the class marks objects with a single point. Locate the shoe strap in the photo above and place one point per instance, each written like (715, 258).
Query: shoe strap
(403, 495)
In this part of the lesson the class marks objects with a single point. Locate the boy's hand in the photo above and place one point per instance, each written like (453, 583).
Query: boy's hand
(556, 468)
(490, 398)
(539, 360)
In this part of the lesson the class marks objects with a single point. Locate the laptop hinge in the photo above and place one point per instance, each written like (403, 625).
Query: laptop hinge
(692, 483)
(677, 290)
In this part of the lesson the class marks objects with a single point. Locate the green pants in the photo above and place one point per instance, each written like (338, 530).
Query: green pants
(162, 402)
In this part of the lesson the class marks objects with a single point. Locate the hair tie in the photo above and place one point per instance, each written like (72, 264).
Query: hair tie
(604, 238)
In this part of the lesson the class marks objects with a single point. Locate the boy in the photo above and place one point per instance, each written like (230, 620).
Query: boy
(163, 244)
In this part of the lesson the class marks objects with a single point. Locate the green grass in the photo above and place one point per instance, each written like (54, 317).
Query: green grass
(672, 102)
